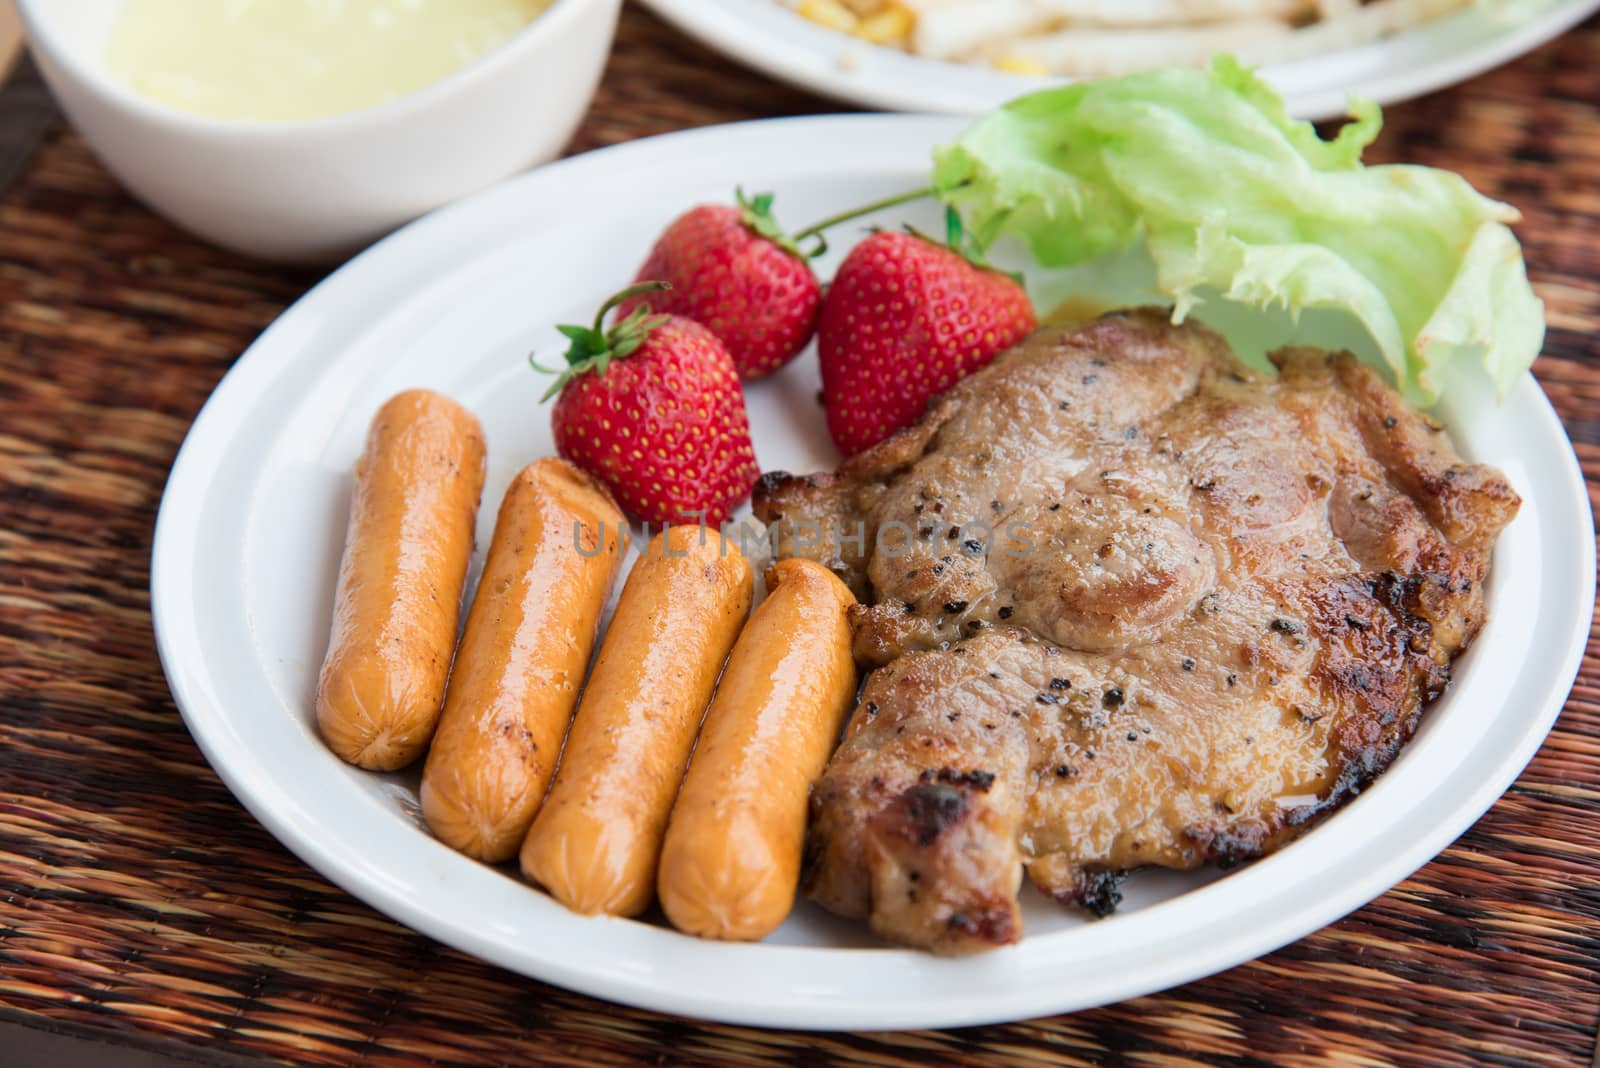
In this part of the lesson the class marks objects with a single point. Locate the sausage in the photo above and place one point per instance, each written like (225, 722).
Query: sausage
(522, 657)
(595, 843)
(731, 860)
(398, 603)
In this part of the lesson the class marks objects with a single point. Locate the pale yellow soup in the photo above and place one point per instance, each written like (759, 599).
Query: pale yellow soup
(301, 59)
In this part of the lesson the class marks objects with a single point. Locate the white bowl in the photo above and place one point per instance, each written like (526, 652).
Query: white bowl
(319, 189)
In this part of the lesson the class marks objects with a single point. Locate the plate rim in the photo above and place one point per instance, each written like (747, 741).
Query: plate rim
(824, 72)
(175, 545)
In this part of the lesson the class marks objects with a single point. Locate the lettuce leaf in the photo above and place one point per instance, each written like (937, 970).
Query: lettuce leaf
(1231, 195)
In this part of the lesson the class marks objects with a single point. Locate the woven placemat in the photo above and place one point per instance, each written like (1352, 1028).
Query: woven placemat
(138, 896)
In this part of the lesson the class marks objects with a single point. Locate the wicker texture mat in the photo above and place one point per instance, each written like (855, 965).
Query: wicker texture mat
(137, 895)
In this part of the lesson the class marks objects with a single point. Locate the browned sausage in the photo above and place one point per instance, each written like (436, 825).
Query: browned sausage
(398, 603)
(595, 843)
(522, 657)
(731, 860)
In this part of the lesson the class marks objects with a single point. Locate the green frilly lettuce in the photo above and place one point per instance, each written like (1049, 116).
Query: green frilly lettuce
(1231, 195)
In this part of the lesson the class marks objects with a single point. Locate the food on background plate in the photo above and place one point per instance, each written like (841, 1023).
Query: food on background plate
(904, 320)
(408, 543)
(522, 658)
(1152, 608)
(301, 59)
(1096, 38)
(731, 860)
(597, 839)
(651, 407)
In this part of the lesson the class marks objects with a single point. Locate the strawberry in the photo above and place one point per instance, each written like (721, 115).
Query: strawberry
(652, 408)
(733, 269)
(904, 320)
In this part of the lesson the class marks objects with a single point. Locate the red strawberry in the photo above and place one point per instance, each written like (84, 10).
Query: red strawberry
(904, 320)
(733, 270)
(652, 408)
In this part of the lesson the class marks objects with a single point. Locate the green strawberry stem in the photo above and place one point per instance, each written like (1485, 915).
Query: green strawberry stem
(756, 213)
(868, 209)
(957, 240)
(954, 232)
(593, 347)
(815, 229)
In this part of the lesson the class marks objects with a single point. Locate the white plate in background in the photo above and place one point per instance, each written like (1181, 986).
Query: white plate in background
(769, 37)
(248, 541)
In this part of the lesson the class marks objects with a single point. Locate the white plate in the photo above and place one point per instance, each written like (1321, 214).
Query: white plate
(248, 543)
(771, 38)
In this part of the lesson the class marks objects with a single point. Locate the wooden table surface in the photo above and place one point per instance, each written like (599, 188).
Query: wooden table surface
(141, 906)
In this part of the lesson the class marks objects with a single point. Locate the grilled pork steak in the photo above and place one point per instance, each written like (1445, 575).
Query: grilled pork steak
(1129, 603)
